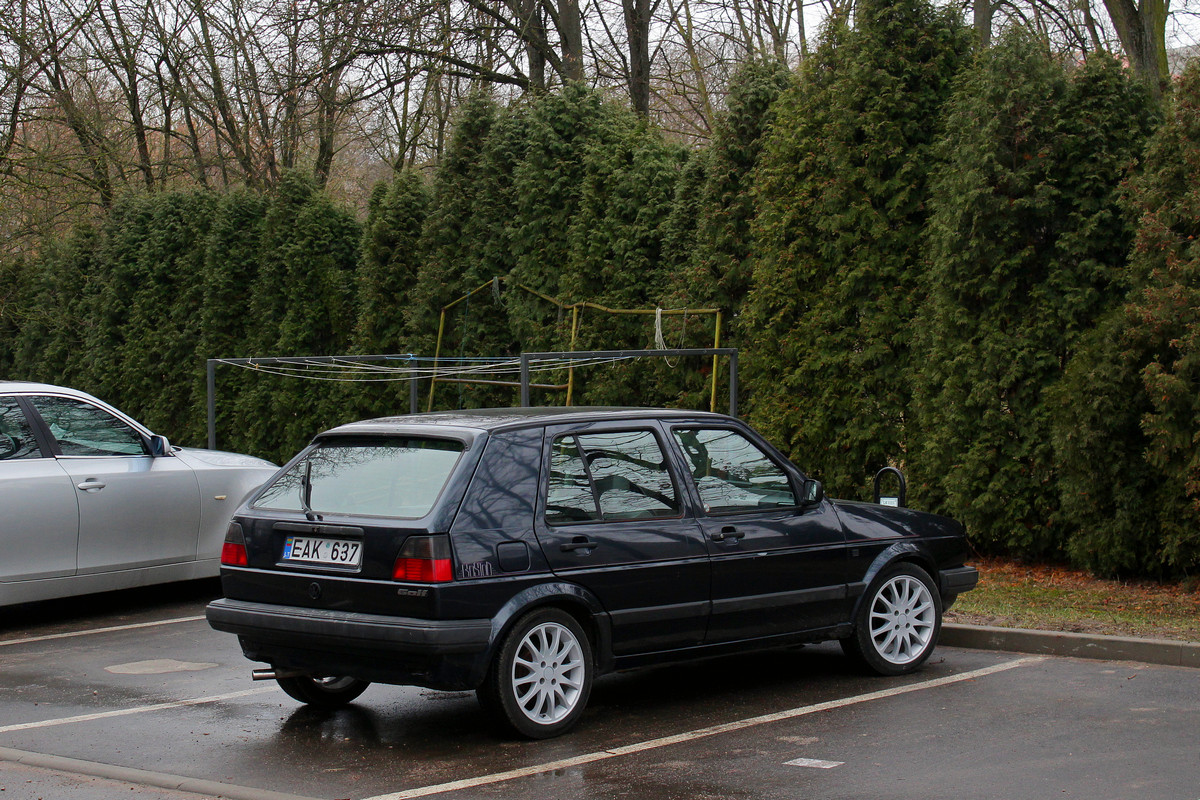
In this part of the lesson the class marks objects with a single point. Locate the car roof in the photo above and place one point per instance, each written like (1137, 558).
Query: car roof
(15, 387)
(492, 419)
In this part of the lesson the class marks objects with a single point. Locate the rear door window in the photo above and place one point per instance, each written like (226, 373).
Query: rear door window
(16, 435)
(385, 477)
(609, 476)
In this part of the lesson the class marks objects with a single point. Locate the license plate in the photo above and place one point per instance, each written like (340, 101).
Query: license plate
(323, 551)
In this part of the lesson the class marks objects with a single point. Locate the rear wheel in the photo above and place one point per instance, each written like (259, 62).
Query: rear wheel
(539, 682)
(897, 624)
(332, 691)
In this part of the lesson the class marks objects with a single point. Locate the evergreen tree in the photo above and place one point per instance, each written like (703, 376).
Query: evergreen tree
(548, 188)
(390, 260)
(451, 229)
(106, 302)
(549, 182)
(615, 240)
(709, 246)
(1109, 495)
(842, 195)
(300, 304)
(14, 300)
(1131, 460)
(51, 311)
(719, 269)
(391, 256)
(160, 370)
(231, 257)
(1026, 246)
(466, 245)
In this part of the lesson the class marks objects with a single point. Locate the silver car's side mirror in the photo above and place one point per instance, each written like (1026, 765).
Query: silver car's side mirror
(159, 446)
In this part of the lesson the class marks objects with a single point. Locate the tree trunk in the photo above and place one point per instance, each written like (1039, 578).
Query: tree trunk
(983, 22)
(533, 34)
(637, 29)
(570, 32)
(1142, 30)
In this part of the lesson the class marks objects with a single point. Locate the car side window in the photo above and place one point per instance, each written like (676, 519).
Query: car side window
(609, 476)
(732, 473)
(16, 435)
(82, 429)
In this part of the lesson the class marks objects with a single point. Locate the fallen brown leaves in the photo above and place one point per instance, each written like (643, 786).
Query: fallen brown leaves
(1054, 597)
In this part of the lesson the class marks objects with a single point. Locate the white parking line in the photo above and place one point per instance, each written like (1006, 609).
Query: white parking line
(123, 712)
(652, 744)
(70, 634)
(813, 762)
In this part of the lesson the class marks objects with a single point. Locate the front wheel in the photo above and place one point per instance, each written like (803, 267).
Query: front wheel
(897, 623)
(540, 680)
(333, 691)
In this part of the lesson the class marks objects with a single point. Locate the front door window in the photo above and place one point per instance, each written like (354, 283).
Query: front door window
(732, 474)
(82, 429)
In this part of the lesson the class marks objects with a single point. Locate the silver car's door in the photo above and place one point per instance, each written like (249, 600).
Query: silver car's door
(39, 524)
(135, 510)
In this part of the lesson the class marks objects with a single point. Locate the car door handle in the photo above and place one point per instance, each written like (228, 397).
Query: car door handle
(727, 533)
(91, 485)
(580, 543)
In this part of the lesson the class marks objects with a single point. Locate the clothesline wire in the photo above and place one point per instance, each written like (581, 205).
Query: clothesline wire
(339, 369)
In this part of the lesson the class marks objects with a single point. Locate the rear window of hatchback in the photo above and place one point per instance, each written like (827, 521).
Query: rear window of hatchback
(398, 477)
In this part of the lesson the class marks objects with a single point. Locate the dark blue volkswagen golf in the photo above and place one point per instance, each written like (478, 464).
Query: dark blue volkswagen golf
(522, 552)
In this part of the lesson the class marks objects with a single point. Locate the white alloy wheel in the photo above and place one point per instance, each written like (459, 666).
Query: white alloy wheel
(903, 620)
(897, 623)
(548, 673)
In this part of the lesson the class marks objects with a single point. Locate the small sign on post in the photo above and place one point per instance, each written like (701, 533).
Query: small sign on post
(893, 500)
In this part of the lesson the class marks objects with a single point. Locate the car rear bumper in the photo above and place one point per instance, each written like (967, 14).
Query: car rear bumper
(441, 654)
(955, 581)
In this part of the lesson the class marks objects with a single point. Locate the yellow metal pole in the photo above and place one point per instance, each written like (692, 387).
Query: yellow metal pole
(712, 403)
(437, 352)
(571, 370)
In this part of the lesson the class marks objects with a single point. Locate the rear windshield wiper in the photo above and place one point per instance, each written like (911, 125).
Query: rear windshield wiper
(306, 492)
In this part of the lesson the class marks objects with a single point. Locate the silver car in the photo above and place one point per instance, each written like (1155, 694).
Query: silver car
(92, 501)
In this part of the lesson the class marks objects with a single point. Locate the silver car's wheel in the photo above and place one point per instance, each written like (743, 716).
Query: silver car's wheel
(542, 675)
(897, 624)
(902, 620)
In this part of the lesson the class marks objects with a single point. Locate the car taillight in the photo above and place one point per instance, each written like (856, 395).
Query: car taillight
(424, 559)
(233, 552)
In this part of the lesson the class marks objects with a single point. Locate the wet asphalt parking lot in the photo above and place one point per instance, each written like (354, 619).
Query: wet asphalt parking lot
(132, 695)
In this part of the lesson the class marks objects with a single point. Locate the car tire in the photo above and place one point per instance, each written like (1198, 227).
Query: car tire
(541, 677)
(897, 623)
(332, 691)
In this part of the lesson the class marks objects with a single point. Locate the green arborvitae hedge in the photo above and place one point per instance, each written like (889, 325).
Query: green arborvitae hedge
(1026, 246)
(917, 271)
(843, 199)
(1128, 426)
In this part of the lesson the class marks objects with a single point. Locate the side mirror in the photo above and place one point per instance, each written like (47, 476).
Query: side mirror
(812, 492)
(159, 446)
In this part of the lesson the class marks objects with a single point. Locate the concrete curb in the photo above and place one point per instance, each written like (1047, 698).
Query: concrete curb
(160, 780)
(1075, 645)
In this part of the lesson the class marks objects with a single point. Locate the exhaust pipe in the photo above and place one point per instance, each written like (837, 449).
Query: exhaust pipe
(270, 674)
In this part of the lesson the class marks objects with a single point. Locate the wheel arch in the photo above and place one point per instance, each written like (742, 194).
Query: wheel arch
(898, 553)
(567, 597)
